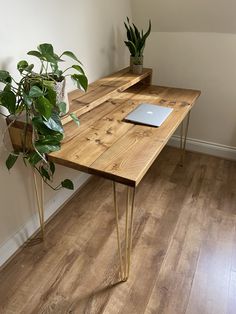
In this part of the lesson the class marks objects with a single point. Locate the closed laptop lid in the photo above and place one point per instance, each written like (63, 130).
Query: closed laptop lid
(149, 114)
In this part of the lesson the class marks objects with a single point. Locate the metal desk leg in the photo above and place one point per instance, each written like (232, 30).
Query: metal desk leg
(126, 256)
(39, 191)
(184, 133)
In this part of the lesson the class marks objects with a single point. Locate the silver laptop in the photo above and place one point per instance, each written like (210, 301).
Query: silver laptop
(149, 114)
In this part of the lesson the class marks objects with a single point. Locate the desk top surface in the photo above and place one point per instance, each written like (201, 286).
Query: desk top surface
(107, 146)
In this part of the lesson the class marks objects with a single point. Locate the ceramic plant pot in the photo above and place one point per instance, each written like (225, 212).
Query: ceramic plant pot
(60, 91)
(136, 64)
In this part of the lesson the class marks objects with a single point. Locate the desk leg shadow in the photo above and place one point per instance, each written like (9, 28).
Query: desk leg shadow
(183, 139)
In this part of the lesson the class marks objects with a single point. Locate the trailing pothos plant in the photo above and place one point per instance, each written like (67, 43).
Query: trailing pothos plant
(34, 97)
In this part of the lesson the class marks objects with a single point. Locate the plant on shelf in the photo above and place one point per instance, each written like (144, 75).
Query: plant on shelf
(136, 43)
(36, 99)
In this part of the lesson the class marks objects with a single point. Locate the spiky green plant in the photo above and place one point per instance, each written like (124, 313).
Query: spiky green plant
(136, 39)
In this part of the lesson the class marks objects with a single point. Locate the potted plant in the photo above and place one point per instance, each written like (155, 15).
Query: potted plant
(37, 98)
(136, 44)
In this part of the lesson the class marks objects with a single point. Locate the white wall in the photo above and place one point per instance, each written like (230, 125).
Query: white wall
(193, 45)
(187, 15)
(94, 31)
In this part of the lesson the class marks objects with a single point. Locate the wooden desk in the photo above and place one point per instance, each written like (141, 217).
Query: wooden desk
(106, 146)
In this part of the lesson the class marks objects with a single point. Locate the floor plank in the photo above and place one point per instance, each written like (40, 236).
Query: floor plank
(184, 244)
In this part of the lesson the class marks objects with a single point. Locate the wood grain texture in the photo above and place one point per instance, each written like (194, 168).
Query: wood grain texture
(98, 92)
(107, 146)
(102, 89)
(183, 257)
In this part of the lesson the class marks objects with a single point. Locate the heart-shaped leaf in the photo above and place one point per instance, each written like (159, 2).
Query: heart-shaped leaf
(54, 123)
(29, 68)
(35, 53)
(52, 167)
(78, 68)
(62, 106)
(12, 158)
(68, 184)
(81, 81)
(5, 77)
(35, 92)
(70, 55)
(8, 100)
(47, 148)
(34, 158)
(44, 173)
(44, 107)
(48, 52)
(22, 65)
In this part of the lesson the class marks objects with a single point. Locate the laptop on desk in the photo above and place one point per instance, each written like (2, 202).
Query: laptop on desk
(149, 114)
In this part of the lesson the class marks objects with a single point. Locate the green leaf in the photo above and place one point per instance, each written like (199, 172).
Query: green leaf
(57, 58)
(8, 100)
(47, 52)
(22, 65)
(46, 49)
(5, 77)
(44, 107)
(137, 33)
(35, 53)
(44, 173)
(49, 84)
(75, 118)
(132, 48)
(49, 139)
(62, 106)
(12, 158)
(27, 100)
(131, 33)
(78, 68)
(35, 92)
(55, 137)
(51, 95)
(29, 68)
(40, 125)
(52, 167)
(68, 184)
(71, 55)
(55, 70)
(148, 31)
(54, 123)
(127, 31)
(7, 87)
(34, 158)
(47, 148)
(81, 81)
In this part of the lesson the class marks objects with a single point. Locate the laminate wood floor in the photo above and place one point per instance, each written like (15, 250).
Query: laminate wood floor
(184, 247)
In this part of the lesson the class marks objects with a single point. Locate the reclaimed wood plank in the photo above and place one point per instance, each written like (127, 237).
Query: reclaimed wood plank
(101, 90)
(124, 151)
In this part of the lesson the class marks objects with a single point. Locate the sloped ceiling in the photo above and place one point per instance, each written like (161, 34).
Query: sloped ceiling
(186, 15)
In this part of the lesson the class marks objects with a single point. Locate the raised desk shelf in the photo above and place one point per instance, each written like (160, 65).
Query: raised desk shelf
(103, 89)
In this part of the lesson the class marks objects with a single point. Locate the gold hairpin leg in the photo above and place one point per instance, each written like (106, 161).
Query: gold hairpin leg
(125, 258)
(183, 139)
(39, 191)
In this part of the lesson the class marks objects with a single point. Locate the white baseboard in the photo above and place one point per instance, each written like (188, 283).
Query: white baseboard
(209, 148)
(9, 248)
